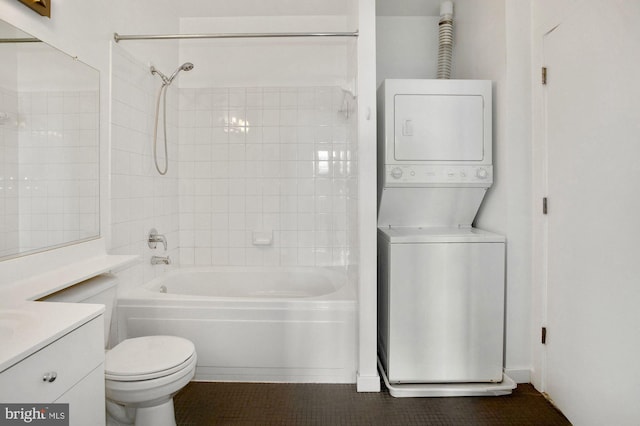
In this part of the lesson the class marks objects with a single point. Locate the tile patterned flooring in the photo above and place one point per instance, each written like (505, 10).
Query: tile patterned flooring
(247, 404)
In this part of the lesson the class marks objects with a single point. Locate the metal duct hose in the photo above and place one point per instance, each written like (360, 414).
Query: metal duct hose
(445, 40)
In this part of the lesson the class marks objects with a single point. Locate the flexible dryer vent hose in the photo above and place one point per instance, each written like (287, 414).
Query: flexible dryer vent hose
(445, 40)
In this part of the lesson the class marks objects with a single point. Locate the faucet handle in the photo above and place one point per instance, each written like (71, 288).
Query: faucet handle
(155, 238)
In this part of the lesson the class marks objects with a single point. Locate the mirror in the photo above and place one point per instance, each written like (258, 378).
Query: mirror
(49, 146)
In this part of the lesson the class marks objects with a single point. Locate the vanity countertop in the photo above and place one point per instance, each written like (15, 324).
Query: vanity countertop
(27, 325)
(30, 326)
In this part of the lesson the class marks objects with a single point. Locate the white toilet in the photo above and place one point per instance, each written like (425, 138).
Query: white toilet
(142, 374)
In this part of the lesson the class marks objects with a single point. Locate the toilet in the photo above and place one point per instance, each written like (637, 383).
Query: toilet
(142, 374)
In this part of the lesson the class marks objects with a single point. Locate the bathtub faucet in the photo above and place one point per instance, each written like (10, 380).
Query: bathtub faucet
(155, 238)
(160, 260)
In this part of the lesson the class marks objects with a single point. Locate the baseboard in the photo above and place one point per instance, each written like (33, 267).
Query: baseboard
(274, 375)
(368, 383)
(519, 375)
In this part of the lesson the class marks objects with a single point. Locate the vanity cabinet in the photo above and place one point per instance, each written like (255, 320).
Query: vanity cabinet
(77, 361)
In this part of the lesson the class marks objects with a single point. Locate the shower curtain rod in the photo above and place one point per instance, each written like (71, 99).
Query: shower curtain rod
(20, 40)
(118, 37)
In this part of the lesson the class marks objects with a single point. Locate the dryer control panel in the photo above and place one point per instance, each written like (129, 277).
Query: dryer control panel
(427, 175)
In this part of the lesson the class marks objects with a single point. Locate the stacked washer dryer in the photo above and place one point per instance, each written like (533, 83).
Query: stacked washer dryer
(440, 281)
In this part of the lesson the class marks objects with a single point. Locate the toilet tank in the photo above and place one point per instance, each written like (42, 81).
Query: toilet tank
(99, 290)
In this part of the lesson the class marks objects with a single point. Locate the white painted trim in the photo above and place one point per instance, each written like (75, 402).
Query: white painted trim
(522, 375)
(368, 379)
(368, 383)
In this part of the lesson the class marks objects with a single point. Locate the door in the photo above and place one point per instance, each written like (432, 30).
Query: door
(592, 112)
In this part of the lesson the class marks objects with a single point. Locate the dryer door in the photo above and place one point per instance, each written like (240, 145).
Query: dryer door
(439, 127)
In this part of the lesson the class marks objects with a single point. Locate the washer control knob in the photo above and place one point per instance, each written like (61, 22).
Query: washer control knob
(482, 173)
(396, 173)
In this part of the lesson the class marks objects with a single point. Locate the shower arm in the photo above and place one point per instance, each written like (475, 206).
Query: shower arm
(118, 37)
(165, 79)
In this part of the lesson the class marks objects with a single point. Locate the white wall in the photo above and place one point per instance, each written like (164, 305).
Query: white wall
(492, 43)
(406, 46)
(264, 62)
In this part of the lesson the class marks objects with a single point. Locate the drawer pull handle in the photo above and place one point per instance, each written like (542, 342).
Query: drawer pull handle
(50, 377)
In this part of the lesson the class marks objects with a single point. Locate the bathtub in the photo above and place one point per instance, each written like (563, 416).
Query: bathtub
(252, 324)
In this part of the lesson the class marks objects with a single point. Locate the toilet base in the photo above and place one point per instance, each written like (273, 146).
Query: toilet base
(158, 415)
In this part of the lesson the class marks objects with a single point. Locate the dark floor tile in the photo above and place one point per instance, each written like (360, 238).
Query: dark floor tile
(268, 404)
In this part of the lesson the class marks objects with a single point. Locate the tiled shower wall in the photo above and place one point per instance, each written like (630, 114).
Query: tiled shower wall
(9, 240)
(267, 176)
(141, 199)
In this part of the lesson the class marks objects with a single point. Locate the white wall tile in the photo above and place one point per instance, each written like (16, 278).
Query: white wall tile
(141, 198)
(265, 159)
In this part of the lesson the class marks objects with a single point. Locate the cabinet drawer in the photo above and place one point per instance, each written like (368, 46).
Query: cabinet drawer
(71, 357)
(86, 400)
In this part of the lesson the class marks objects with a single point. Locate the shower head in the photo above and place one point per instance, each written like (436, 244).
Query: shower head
(187, 66)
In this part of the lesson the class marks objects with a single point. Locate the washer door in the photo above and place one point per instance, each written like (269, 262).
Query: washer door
(445, 312)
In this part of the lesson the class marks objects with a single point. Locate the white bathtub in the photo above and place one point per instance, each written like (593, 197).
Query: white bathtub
(253, 324)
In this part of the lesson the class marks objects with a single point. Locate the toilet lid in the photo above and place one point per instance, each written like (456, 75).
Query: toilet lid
(148, 357)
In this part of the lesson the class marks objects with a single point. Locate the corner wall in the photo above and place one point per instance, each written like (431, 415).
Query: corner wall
(141, 198)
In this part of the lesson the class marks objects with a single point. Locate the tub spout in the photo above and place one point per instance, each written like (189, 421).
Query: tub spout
(160, 260)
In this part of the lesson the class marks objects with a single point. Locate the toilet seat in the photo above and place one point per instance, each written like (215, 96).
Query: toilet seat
(147, 358)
